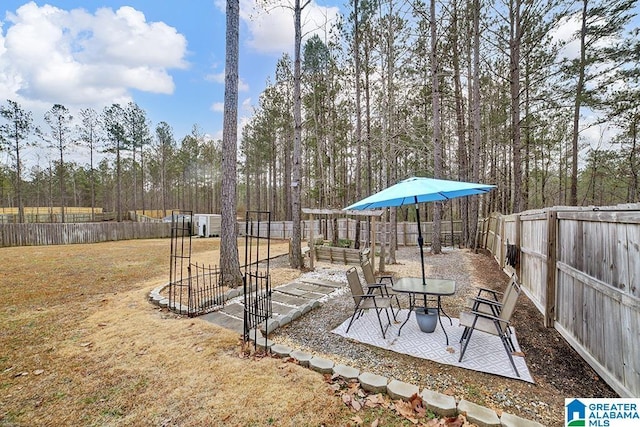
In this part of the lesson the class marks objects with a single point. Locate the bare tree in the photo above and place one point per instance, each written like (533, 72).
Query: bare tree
(229, 262)
(113, 123)
(89, 134)
(59, 120)
(296, 260)
(475, 118)
(14, 135)
(515, 40)
(437, 141)
(165, 148)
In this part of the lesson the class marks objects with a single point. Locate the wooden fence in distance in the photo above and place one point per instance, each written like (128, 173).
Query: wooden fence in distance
(69, 233)
(407, 234)
(581, 268)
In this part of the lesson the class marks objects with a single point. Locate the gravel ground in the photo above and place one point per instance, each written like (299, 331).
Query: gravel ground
(557, 370)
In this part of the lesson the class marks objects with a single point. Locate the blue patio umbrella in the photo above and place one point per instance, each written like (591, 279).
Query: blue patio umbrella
(417, 190)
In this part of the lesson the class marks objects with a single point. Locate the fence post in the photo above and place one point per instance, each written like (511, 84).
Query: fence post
(517, 243)
(550, 306)
(312, 243)
(501, 259)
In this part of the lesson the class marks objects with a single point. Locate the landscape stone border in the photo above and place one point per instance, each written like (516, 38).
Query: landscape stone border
(439, 403)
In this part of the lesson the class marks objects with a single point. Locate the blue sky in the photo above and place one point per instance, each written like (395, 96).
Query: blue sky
(166, 55)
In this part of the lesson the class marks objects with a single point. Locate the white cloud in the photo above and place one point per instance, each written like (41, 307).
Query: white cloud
(246, 105)
(565, 34)
(217, 107)
(216, 78)
(219, 78)
(50, 55)
(271, 29)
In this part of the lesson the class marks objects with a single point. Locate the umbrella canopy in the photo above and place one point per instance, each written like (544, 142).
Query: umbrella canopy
(416, 190)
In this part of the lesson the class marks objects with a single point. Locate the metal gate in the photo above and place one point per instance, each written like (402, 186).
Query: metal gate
(194, 289)
(257, 282)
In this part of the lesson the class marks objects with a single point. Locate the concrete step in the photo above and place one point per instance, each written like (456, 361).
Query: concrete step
(326, 283)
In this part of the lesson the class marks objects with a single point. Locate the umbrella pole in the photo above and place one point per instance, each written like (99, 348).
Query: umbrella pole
(420, 242)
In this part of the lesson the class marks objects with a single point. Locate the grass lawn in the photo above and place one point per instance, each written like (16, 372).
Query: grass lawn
(80, 345)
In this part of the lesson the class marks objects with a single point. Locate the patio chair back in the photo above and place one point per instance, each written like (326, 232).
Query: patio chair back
(509, 303)
(495, 325)
(512, 286)
(492, 305)
(382, 284)
(367, 270)
(355, 285)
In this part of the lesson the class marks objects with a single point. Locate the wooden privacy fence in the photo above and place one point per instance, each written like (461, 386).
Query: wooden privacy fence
(407, 234)
(43, 218)
(68, 233)
(581, 268)
(33, 234)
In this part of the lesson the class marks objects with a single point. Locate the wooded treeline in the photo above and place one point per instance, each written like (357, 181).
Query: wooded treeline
(457, 89)
(141, 168)
(514, 105)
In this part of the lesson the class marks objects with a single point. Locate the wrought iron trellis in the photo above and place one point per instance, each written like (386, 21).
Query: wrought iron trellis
(194, 289)
(257, 282)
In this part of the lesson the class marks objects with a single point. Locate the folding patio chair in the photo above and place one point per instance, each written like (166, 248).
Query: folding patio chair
(492, 303)
(368, 301)
(473, 320)
(376, 283)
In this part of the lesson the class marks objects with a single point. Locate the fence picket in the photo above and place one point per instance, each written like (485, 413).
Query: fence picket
(581, 268)
(30, 234)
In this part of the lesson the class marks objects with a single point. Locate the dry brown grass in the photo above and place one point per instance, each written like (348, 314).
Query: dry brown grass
(80, 345)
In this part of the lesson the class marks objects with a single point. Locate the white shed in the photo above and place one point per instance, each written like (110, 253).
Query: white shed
(208, 224)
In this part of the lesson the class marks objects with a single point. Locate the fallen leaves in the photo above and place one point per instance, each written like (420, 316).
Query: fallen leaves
(413, 410)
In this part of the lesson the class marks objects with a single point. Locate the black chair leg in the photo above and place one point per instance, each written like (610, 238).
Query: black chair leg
(382, 328)
(506, 348)
(466, 343)
(352, 319)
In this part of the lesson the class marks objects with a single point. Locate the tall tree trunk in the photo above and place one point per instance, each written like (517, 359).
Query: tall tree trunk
(61, 181)
(515, 38)
(436, 247)
(634, 192)
(18, 184)
(119, 183)
(367, 96)
(356, 57)
(463, 174)
(135, 174)
(296, 260)
(475, 107)
(573, 201)
(229, 263)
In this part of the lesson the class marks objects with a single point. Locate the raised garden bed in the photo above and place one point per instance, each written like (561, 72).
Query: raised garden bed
(333, 254)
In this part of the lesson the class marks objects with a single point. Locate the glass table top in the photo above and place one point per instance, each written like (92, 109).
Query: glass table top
(415, 285)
